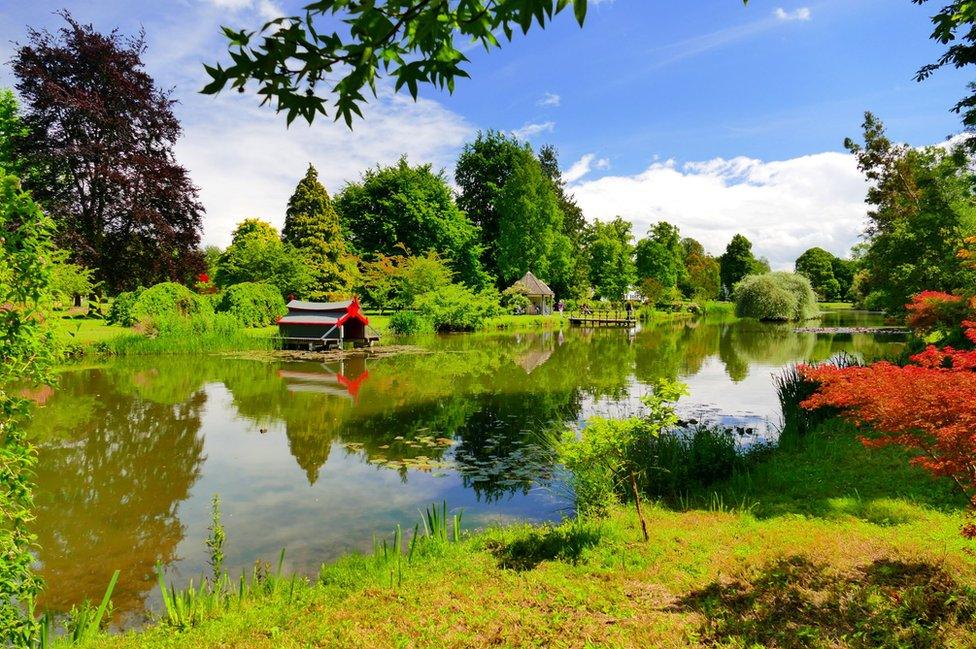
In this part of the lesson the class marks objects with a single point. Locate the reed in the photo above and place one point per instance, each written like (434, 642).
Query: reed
(84, 621)
(793, 389)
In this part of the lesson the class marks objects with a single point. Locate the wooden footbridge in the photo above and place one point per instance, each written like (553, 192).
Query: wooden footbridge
(602, 320)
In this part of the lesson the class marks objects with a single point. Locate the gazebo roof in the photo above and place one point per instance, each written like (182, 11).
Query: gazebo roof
(534, 286)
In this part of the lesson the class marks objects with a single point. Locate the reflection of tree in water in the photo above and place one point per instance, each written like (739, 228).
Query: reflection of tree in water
(674, 349)
(505, 446)
(109, 487)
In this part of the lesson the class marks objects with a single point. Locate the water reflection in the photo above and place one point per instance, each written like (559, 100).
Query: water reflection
(112, 472)
(319, 457)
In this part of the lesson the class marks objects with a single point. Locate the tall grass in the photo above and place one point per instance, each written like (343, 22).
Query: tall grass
(189, 342)
(793, 389)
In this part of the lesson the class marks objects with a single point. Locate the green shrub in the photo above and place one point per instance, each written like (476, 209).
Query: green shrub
(254, 304)
(456, 307)
(514, 300)
(406, 323)
(169, 299)
(775, 296)
(121, 311)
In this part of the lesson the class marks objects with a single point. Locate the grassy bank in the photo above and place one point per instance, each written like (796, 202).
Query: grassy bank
(823, 543)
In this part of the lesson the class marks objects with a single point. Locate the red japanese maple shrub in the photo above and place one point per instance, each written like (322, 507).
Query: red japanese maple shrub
(928, 405)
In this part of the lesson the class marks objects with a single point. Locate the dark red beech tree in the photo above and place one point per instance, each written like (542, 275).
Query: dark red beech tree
(101, 137)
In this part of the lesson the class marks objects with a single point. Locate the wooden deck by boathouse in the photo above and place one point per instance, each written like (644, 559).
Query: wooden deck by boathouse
(325, 325)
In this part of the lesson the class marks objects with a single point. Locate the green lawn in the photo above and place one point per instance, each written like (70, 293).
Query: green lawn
(824, 543)
(87, 331)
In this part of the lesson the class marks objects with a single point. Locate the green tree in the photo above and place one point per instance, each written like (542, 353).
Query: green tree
(12, 132)
(817, 265)
(25, 358)
(481, 172)
(257, 254)
(703, 276)
(922, 207)
(609, 251)
(530, 236)
(652, 260)
(69, 282)
(312, 226)
(660, 256)
(419, 275)
(844, 271)
(301, 64)
(574, 226)
(403, 207)
(737, 262)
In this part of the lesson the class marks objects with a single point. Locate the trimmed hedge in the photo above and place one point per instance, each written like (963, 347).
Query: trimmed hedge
(253, 304)
(775, 296)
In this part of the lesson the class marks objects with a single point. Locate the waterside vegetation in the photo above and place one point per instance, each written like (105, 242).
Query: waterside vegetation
(865, 547)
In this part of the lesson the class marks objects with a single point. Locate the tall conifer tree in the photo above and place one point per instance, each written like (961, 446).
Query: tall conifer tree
(312, 226)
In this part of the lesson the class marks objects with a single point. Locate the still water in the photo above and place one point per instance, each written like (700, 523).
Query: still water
(319, 457)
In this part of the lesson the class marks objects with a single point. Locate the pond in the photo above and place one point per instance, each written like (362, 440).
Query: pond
(320, 457)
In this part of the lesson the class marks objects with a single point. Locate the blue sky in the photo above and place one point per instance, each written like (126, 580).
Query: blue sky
(718, 117)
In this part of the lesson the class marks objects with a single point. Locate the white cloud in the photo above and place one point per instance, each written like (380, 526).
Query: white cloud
(233, 5)
(269, 10)
(583, 166)
(550, 99)
(802, 13)
(529, 130)
(266, 9)
(246, 162)
(783, 207)
(579, 168)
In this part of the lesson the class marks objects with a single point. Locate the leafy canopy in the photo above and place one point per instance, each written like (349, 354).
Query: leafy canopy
(404, 207)
(609, 251)
(530, 228)
(922, 210)
(338, 49)
(312, 226)
(738, 261)
(481, 172)
(257, 254)
(955, 26)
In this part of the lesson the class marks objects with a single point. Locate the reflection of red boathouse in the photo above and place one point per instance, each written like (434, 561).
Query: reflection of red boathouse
(325, 325)
(343, 378)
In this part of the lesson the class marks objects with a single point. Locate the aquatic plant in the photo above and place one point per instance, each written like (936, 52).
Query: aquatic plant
(793, 388)
(84, 621)
(215, 541)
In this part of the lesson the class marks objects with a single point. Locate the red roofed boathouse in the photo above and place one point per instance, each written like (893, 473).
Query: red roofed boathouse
(325, 325)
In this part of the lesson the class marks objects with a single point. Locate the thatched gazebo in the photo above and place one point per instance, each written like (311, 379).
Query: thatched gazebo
(539, 294)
